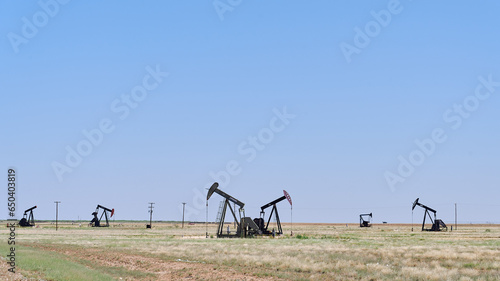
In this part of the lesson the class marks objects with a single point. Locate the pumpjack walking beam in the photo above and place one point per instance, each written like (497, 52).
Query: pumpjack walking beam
(28, 219)
(265, 230)
(437, 225)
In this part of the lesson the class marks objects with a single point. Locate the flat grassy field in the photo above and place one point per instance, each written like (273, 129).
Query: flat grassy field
(129, 251)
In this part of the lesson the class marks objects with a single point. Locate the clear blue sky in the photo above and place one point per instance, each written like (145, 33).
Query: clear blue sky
(65, 68)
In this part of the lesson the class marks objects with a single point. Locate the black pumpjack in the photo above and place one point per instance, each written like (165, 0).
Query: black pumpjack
(96, 222)
(437, 224)
(28, 218)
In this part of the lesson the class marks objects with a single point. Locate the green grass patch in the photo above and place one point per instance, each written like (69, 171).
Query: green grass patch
(39, 263)
(470, 265)
(35, 263)
(119, 271)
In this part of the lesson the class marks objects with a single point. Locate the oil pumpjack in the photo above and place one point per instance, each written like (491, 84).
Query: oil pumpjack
(365, 220)
(96, 222)
(260, 221)
(245, 225)
(28, 218)
(437, 224)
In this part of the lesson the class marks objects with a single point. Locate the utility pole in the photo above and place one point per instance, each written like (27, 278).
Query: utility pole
(151, 214)
(57, 211)
(206, 221)
(183, 207)
(455, 216)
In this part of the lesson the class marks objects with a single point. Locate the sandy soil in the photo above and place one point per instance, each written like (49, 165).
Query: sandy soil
(6, 275)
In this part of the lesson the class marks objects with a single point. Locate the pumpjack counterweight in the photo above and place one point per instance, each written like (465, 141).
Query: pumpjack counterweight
(437, 224)
(96, 222)
(28, 218)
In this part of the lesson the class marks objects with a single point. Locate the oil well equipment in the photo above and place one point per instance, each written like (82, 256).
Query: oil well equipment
(96, 221)
(28, 218)
(263, 226)
(245, 225)
(365, 220)
(437, 224)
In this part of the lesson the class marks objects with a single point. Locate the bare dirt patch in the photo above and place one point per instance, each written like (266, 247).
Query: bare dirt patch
(6, 275)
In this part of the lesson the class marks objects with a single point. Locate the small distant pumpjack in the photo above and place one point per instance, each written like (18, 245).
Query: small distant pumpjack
(245, 225)
(260, 221)
(365, 220)
(28, 218)
(437, 224)
(96, 222)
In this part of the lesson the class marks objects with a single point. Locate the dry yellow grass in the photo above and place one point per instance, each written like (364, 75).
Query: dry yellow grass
(325, 252)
